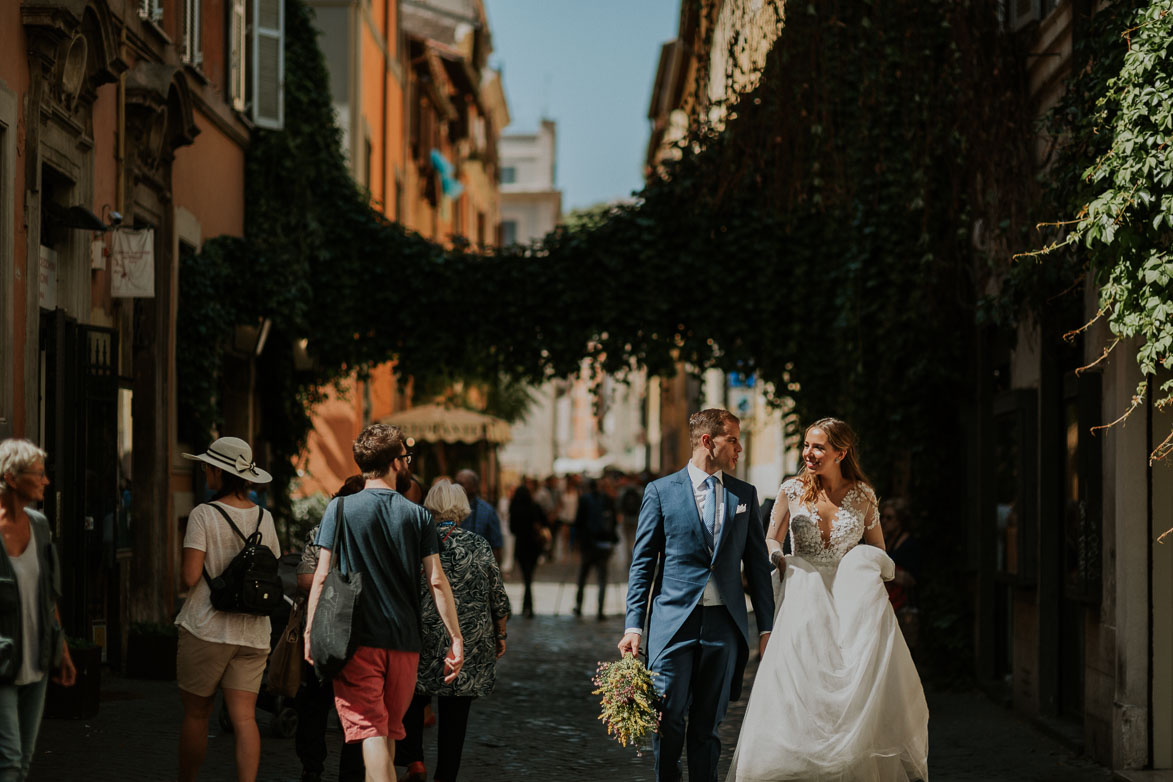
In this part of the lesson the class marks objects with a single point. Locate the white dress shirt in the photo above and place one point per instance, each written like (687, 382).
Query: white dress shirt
(711, 597)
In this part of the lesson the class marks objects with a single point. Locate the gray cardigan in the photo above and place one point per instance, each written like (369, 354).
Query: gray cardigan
(49, 591)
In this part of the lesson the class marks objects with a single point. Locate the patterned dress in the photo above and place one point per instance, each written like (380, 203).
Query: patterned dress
(481, 602)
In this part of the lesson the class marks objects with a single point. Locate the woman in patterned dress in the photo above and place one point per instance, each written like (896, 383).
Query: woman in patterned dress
(483, 608)
(836, 696)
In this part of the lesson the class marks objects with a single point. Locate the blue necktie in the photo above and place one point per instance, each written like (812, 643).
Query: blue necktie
(709, 511)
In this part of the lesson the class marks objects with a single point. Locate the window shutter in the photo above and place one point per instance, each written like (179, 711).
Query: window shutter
(193, 53)
(238, 36)
(268, 60)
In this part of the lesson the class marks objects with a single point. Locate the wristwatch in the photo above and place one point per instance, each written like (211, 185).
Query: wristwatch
(502, 636)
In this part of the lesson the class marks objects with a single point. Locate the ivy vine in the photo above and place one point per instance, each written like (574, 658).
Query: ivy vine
(1122, 187)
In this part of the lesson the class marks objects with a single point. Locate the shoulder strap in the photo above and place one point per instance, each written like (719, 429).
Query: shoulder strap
(235, 529)
(339, 543)
(228, 519)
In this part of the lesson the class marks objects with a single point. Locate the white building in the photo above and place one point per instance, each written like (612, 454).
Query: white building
(570, 428)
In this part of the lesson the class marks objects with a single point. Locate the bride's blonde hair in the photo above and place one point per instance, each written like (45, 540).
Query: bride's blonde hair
(841, 437)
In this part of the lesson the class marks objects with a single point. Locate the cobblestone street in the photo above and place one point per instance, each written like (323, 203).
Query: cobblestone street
(540, 724)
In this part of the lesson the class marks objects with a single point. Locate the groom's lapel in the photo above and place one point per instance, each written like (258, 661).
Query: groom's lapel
(688, 511)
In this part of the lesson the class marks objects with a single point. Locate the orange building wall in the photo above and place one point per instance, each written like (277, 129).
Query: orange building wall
(105, 185)
(208, 180)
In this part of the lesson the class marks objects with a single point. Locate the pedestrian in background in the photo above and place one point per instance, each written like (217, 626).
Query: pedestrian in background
(905, 550)
(387, 538)
(631, 495)
(219, 649)
(483, 608)
(527, 522)
(482, 519)
(567, 513)
(594, 525)
(31, 641)
(315, 698)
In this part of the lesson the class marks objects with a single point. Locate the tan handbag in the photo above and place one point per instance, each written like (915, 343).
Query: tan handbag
(285, 662)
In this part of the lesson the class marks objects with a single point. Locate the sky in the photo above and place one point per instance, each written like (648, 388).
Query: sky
(588, 65)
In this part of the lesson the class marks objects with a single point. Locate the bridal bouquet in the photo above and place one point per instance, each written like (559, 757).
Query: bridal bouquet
(631, 705)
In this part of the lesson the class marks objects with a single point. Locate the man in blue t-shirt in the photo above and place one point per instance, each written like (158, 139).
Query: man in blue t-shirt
(387, 539)
(482, 519)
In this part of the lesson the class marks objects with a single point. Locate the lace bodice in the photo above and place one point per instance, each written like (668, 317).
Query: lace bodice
(857, 513)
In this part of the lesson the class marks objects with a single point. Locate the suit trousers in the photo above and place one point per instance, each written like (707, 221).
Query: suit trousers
(696, 672)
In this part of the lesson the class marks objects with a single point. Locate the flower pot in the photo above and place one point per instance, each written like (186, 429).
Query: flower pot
(81, 700)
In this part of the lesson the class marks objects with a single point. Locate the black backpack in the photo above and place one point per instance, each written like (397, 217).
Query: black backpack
(250, 584)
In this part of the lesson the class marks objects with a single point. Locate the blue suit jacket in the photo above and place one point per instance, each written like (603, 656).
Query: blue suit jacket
(669, 529)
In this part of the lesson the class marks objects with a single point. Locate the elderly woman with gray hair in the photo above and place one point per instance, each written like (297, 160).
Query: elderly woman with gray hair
(31, 641)
(483, 608)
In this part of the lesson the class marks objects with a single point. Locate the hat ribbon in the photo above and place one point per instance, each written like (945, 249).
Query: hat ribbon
(244, 465)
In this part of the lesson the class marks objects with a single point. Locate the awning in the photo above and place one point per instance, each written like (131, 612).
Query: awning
(440, 424)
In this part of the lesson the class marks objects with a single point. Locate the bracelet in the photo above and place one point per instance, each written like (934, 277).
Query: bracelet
(502, 636)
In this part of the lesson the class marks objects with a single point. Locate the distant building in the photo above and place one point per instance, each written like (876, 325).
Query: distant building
(530, 203)
(572, 427)
(420, 113)
(769, 456)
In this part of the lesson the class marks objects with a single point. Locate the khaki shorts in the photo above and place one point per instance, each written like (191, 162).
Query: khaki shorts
(202, 666)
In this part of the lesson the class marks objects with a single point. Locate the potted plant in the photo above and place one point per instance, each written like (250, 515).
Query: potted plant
(150, 650)
(81, 700)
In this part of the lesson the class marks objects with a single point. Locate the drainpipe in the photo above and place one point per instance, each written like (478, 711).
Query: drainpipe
(120, 138)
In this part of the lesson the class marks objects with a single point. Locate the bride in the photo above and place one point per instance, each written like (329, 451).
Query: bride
(836, 696)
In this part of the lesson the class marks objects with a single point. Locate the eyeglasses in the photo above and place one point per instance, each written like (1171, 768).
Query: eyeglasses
(406, 456)
(38, 473)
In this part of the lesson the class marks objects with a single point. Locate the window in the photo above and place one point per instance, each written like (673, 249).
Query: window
(193, 51)
(268, 64)
(151, 10)
(508, 232)
(508, 175)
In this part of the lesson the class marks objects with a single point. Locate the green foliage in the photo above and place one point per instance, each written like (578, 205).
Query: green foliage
(822, 239)
(1119, 138)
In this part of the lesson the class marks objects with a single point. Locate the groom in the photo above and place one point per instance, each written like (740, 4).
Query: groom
(696, 527)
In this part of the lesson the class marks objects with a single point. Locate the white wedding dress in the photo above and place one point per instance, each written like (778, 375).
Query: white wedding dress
(836, 696)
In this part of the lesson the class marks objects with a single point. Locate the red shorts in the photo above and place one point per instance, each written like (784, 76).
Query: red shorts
(372, 692)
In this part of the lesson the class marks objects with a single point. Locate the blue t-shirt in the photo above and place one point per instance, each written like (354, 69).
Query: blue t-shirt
(387, 538)
(484, 522)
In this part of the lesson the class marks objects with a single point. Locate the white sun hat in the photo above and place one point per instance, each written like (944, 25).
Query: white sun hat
(232, 455)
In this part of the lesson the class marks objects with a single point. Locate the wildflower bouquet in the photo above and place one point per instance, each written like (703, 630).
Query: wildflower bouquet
(631, 705)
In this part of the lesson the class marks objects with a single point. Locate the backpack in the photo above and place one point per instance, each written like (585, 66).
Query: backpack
(250, 584)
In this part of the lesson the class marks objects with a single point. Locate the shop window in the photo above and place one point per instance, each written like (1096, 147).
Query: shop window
(1015, 473)
(1082, 482)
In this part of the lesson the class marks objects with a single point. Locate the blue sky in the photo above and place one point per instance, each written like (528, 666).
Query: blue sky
(588, 65)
